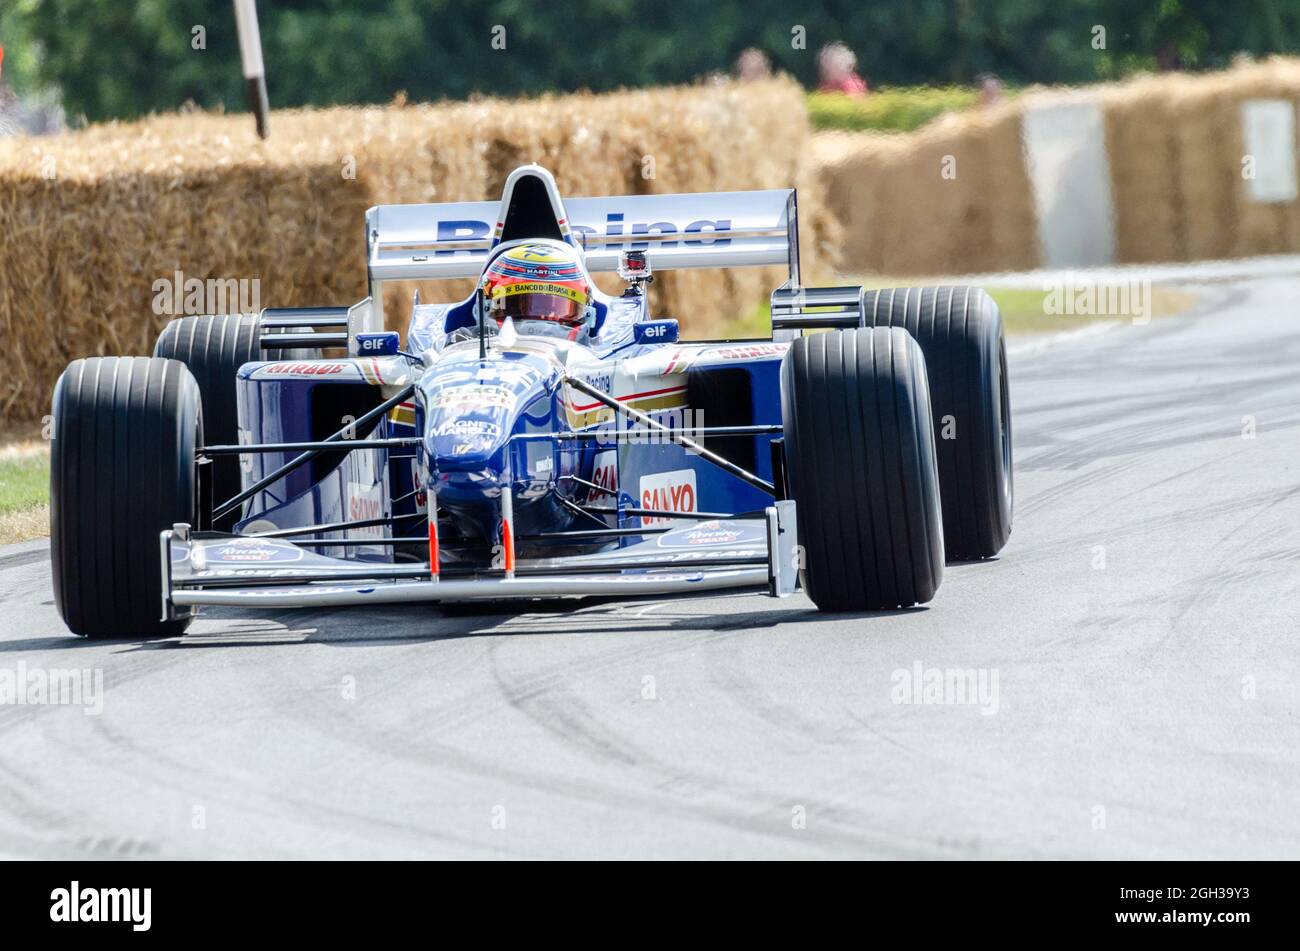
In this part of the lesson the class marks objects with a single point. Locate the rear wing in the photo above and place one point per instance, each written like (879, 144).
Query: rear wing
(454, 240)
(707, 230)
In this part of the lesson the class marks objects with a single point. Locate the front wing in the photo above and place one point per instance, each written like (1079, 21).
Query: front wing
(209, 569)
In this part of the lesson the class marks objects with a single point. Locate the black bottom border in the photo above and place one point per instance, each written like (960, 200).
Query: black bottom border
(928, 900)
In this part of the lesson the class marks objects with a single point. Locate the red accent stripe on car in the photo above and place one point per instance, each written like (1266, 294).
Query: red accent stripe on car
(433, 548)
(583, 407)
(508, 544)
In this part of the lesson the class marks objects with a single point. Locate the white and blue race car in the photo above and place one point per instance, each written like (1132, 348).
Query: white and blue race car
(865, 441)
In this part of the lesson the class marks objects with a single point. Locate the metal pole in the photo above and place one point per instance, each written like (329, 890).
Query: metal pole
(431, 510)
(399, 442)
(250, 54)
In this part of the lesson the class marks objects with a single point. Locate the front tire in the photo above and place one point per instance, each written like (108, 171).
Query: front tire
(121, 471)
(860, 464)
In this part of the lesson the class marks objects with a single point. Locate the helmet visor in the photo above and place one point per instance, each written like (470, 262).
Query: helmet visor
(538, 301)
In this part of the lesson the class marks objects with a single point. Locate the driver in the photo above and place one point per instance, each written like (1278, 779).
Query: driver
(541, 286)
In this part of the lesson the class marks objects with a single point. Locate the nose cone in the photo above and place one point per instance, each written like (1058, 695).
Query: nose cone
(469, 424)
(472, 410)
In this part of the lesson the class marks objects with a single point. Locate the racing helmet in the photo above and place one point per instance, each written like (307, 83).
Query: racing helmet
(541, 287)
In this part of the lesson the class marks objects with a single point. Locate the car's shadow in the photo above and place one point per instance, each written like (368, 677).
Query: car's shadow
(396, 625)
(405, 624)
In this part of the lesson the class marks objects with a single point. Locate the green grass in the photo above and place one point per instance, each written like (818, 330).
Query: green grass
(889, 110)
(1023, 310)
(24, 483)
(24, 492)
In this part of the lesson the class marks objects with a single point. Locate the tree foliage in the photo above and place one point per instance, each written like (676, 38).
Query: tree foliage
(114, 58)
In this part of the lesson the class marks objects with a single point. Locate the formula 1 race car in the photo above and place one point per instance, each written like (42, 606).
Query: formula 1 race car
(541, 438)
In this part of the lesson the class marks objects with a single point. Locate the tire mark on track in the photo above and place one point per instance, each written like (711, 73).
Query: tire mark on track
(573, 722)
(764, 819)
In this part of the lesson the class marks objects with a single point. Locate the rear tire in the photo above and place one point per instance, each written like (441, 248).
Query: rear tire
(860, 465)
(121, 471)
(214, 348)
(960, 332)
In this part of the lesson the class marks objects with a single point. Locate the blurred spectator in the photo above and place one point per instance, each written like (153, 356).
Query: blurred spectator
(40, 116)
(991, 90)
(8, 103)
(753, 64)
(837, 66)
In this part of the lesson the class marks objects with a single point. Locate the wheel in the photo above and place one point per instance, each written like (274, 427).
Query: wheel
(214, 348)
(860, 465)
(960, 332)
(121, 470)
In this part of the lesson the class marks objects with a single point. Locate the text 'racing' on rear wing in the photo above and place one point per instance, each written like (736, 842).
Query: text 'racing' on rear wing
(719, 229)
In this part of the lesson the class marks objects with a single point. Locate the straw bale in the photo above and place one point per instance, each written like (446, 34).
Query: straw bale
(1143, 145)
(950, 198)
(1175, 149)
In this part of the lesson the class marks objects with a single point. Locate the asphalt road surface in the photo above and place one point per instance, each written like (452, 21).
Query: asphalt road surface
(1137, 643)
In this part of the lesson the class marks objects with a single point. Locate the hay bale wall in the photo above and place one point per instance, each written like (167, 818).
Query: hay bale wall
(951, 198)
(1144, 149)
(1174, 147)
(90, 220)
